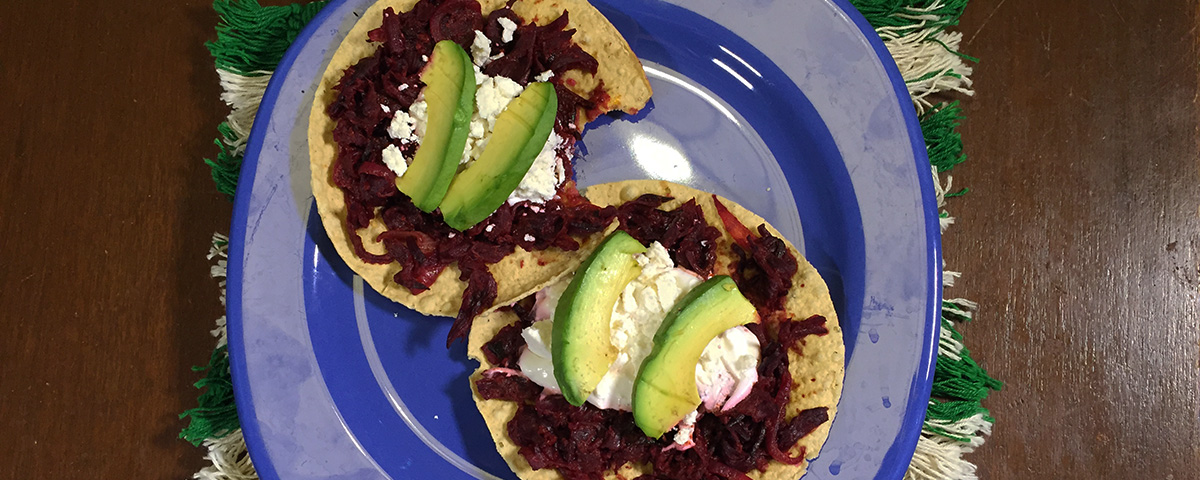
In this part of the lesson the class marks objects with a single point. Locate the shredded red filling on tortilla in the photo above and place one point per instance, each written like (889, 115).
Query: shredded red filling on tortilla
(584, 442)
(683, 231)
(389, 81)
(764, 268)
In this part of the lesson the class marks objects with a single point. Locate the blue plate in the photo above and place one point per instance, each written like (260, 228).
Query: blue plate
(793, 109)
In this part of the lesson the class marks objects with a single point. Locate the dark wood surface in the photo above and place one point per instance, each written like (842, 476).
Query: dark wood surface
(1079, 238)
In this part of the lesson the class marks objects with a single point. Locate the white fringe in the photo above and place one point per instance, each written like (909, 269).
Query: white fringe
(973, 427)
(220, 251)
(940, 458)
(230, 460)
(243, 94)
(948, 346)
(919, 51)
(940, 191)
(960, 306)
(948, 277)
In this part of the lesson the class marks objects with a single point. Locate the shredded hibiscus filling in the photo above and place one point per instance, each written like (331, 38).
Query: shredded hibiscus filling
(585, 442)
(764, 272)
(505, 348)
(388, 81)
(764, 267)
(683, 231)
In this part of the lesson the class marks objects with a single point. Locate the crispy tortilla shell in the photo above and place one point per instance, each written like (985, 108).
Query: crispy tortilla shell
(817, 374)
(522, 272)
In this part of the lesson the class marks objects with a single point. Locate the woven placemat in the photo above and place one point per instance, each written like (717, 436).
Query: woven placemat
(251, 40)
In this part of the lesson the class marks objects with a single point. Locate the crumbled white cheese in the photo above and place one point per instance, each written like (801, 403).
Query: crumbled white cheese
(493, 95)
(544, 76)
(479, 76)
(477, 137)
(419, 111)
(394, 160)
(385, 108)
(540, 183)
(425, 58)
(481, 49)
(727, 365)
(529, 238)
(508, 26)
(683, 436)
(402, 87)
(403, 127)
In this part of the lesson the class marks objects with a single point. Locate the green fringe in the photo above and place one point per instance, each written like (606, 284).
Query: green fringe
(898, 13)
(227, 166)
(251, 38)
(216, 415)
(959, 386)
(944, 144)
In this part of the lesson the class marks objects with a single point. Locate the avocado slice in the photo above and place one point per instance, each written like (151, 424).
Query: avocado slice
(665, 388)
(520, 133)
(450, 95)
(581, 349)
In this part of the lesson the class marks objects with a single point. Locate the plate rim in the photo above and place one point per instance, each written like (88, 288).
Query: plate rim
(903, 449)
(243, 400)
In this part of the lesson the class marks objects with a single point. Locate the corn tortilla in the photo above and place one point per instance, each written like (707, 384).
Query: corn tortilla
(522, 272)
(817, 374)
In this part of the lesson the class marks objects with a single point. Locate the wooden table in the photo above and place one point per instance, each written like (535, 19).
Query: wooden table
(1079, 236)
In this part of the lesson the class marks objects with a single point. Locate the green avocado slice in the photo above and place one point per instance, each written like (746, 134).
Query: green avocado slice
(520, 133)
(665, 388)
(450, 96)
(581, 348)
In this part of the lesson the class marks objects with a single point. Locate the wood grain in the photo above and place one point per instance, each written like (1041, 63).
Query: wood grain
(1079, 238)
(106, 210)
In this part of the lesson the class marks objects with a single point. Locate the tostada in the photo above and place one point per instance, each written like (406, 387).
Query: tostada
(441, 139)
(693, 343)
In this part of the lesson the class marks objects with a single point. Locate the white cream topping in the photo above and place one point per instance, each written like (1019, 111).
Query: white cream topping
(727, 365)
